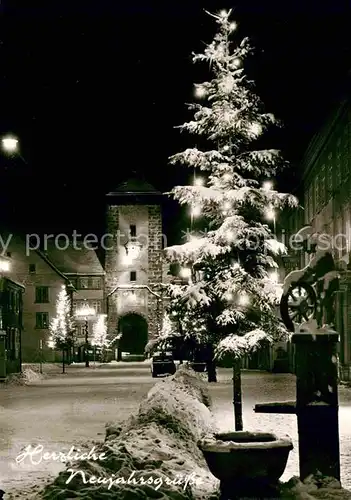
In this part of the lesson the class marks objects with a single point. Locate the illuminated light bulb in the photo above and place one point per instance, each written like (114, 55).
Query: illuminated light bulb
(274, 276)
(244, 300)
(233, 26)
(270, 214)
(196, 211)
(4, 265)
(227, 84)
(227, 177)
(185, 272)
(223, 13)
(255, 129)
(9, 144)
(237, 62)
(267, 186)
(198, 181)
(200, 92)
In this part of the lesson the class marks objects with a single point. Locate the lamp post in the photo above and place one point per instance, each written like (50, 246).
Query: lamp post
(86, 313)
(4, 267)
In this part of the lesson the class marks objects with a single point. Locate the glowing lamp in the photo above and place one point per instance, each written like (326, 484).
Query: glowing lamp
(4, 265)
(223, 13)
(233, 26)
(267, 186)
(237, 62)
(198, 181)
(243, 300)
(270, 214)
(185, 273)
(200, 92)
(196, 211)
(10, 144)
(133, 249)
(85, 311)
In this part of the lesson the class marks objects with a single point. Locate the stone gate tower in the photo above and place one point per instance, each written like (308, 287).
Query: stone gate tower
(133, 264)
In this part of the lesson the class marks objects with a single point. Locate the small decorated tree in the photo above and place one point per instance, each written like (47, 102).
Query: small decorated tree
(100, 339)
(230, 286)
(62, 325)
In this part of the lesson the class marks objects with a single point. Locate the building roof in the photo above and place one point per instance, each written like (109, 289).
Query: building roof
(76, 259)
(132, 187)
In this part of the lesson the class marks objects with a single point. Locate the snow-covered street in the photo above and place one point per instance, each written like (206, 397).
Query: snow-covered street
(63, 411)
(72, 410)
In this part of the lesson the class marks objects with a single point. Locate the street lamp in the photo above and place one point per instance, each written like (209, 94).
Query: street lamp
(9, 144)
(86, 313)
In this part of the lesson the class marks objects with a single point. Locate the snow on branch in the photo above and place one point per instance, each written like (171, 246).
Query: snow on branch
(275, 247)
(196, 158)
(238, 346)
(193, 250)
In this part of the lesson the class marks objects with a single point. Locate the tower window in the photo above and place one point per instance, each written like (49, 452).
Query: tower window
(132, 275)
(132, 229)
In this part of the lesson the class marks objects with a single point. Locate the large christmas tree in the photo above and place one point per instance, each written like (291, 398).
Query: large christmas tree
(230, 287)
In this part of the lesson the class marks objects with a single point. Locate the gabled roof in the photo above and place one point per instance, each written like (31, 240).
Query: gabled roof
(132, 187)
(76, 259)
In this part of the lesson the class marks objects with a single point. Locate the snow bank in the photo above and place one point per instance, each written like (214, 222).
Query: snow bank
(326, 488)
(27, 376)
(158, 446)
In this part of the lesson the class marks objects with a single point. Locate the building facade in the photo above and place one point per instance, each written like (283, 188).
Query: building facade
(325, 193)
(125, 285)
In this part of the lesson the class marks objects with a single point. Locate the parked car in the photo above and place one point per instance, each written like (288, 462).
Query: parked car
(198, 366)
(162, 363)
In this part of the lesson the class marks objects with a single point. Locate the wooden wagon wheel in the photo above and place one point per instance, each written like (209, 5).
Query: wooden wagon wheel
(298, 305)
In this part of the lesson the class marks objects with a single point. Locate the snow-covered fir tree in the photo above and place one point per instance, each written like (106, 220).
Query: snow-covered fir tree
(99, 338)
(230, 287)
(62, 325)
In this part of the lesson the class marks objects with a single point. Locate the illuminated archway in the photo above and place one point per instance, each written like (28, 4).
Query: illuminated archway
(134, 330)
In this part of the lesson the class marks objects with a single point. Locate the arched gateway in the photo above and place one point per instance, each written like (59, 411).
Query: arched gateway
(134, 330)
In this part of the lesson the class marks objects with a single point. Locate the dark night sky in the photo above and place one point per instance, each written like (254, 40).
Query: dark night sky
(93, 91)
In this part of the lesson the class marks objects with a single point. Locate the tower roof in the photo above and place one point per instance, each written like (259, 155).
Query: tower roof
(134, 189)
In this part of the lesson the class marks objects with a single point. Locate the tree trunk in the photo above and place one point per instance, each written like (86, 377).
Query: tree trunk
(211, 370)
(63, 360)
(237, 395)
(210, 364)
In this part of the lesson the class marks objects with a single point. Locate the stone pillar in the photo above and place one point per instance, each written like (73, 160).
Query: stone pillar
(155, 306)
(111, 262)
(317, 403)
